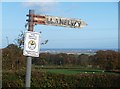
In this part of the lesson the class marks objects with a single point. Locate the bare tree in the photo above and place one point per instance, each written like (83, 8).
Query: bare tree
(20, 40)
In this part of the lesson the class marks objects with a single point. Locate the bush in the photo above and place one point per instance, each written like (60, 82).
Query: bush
(60, 81)
(12, 58)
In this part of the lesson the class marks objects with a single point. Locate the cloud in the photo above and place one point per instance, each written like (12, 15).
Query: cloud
(40, 0)
(41, 6)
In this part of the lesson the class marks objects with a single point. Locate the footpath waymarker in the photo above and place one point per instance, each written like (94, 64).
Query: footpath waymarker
(31, 42)
(59, 21)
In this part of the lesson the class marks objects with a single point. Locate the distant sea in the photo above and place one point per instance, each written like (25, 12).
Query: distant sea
(72, 50)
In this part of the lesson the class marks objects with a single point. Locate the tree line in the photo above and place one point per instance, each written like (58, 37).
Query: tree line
(12, 58)
(102, 59)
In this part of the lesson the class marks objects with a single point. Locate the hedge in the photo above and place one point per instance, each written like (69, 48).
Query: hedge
(45, 80)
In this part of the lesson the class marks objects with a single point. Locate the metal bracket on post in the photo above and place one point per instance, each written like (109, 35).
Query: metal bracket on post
(29, 59)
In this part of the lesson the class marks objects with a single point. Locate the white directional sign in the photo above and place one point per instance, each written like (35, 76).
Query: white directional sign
(59, 21)
(31, 44)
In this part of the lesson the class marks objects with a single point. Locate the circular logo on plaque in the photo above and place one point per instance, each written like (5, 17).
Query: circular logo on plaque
(31, 44)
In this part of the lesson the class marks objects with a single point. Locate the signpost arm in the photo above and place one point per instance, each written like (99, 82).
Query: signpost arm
(29, 59)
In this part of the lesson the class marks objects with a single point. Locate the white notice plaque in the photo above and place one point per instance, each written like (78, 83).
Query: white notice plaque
(31, 44)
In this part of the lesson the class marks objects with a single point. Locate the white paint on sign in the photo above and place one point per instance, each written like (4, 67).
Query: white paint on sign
(60, 21)
(31, 44)
(66, 22)
(41, 19)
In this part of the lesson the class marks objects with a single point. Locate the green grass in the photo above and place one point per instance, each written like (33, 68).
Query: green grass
(71, 70)
(62, 71)
(75, 71)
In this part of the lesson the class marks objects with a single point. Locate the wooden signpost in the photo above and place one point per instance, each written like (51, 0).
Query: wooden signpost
(58, 21)
(31, 42)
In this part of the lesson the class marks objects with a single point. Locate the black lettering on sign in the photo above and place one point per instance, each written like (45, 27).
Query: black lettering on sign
(48, 20)
(59, 21)
(56, 21)
(72, 23)
(69, 22)
(64, 22)
(77, 24)
(51, 21)
(32, 36)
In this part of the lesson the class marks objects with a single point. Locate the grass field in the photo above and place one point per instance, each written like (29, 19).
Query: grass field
(67, 71)
(71, 70)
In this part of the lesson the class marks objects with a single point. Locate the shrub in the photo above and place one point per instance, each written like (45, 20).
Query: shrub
(60, 81)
